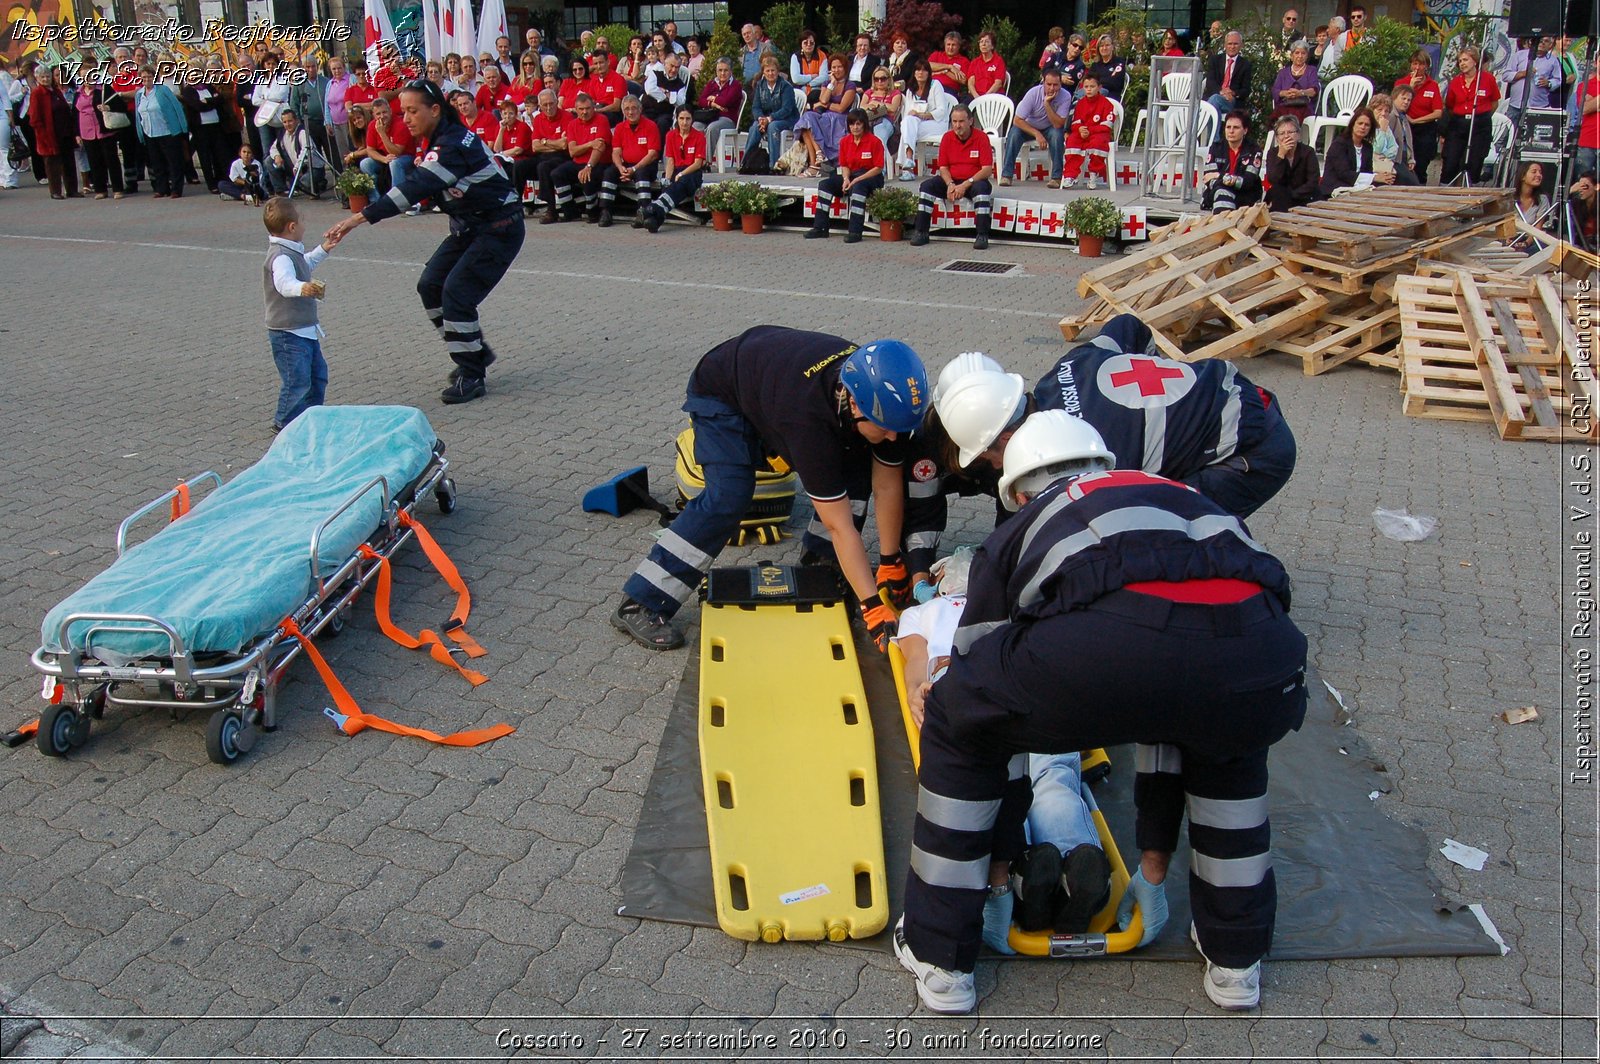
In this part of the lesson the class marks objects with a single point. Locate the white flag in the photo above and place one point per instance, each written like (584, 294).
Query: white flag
(466, 39)
(491, 24)
(375, 27)
(431, 41)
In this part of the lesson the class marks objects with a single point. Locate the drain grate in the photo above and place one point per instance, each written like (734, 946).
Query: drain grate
(983, 266)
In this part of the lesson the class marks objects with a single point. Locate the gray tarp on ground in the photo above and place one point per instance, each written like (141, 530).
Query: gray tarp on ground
(1351, 882)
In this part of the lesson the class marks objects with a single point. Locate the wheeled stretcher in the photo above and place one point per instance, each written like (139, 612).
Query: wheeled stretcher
(211, 611)
(1101, 938)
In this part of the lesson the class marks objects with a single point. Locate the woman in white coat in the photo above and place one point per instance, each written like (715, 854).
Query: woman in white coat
(11, 93)
(925, 112)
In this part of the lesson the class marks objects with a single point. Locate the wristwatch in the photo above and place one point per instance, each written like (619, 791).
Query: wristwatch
(1000, 891)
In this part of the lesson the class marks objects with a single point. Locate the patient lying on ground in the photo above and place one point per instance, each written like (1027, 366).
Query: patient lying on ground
(1064, 877)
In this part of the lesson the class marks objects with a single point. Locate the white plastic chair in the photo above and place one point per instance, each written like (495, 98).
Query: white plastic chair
(1341, 99)
(1170, 143)
(993, 112)
(1174, 86)
(1111, 150)
(786, 141)
(739, 139)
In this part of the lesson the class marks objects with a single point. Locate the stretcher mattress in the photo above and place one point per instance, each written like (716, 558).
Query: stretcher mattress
(239, 561)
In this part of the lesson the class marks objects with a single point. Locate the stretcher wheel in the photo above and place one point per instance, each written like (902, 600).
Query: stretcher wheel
(61, 729)
(445, 494)
(222, 736)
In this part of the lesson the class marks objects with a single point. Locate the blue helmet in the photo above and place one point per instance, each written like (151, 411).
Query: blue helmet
(888, 382)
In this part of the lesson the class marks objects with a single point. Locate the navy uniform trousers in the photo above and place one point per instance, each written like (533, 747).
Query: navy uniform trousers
(729, 451)
(1215, 686)
(460, 275)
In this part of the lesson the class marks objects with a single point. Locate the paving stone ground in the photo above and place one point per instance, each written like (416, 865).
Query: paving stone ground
(376, 897)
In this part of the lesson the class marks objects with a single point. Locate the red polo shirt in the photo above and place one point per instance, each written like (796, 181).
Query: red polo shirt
(637, 140)
(580, 132)
(965, 157)
(960, 62)
(859, 157)
(685, 151)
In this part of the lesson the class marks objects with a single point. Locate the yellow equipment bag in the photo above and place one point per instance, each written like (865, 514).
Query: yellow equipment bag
(787, 760)
(1101, 938)
(769, 508)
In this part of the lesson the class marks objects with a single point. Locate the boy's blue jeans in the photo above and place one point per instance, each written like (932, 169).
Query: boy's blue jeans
(304, 373)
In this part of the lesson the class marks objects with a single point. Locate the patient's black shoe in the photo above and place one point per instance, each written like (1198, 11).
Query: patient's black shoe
(1036, 880)
(1085, 888)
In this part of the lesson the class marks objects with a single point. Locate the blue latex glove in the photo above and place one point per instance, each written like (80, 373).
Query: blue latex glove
(997, 922)
(1152, 899)
(924, 591)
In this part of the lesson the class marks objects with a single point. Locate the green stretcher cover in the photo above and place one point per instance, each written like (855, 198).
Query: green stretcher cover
(239, 562)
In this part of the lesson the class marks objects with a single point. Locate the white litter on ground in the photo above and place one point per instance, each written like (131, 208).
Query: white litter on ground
(1464, 855)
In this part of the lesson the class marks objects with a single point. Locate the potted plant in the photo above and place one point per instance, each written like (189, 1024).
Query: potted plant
(718, 199)
(753, 203)
(892, 208)
(1093, 218)
(356, 187)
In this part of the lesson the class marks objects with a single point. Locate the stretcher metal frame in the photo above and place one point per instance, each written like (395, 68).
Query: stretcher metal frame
(240, 689)
(1102, 939)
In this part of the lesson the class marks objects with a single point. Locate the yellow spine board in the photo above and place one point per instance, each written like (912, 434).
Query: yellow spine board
(789, 770)
(1100, 938)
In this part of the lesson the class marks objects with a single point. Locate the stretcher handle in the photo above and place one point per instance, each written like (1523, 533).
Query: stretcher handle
(316, 535)
(135, 623)
(187, 487)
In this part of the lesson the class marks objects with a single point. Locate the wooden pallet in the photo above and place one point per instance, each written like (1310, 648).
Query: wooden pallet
(1490, 350)
(1210, 272)
(1527, 357)
(1338, 245)
(1351, 328)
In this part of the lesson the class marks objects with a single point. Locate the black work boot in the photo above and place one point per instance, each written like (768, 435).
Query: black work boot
(819, 226)
(605, 218)
(982, 240)
(550, 216)
(919, 235)
(653, 217)
(464, 389)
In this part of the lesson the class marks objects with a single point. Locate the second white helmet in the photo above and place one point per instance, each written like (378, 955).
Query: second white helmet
(1050, 445)
(978, 407)
(963, 364)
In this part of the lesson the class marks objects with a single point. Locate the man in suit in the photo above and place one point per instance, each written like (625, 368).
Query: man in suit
(1228, 78)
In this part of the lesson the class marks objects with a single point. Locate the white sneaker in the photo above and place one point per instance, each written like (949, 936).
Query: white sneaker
(1070, 182)
(1229, 988)
(940, 991)
(1094, 183)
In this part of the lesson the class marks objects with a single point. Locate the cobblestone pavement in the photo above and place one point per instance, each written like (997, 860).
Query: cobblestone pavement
(379, 897)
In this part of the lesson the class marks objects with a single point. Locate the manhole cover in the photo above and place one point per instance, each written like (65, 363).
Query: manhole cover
(984, 266)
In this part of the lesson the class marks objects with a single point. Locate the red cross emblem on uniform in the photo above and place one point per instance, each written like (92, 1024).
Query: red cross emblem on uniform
(1133, 225)
(1148, 375)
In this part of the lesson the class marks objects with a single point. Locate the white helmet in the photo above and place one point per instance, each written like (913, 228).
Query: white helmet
(1050, 445)
(963, 364)
(978, 407)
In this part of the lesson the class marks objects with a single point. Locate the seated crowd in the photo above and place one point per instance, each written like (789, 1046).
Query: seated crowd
(578, 129)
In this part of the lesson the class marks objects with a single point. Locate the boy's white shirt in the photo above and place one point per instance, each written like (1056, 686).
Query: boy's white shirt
(288, 285)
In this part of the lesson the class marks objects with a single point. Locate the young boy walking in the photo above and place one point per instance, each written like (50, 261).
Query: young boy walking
(291, 297)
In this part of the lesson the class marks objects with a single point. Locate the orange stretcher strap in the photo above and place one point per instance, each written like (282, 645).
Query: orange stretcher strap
(426, 638)
(180, 501)
(455, 628)
(351, 720)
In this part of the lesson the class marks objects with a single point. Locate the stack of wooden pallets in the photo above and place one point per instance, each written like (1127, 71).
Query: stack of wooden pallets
(1206, 289)
(1418, 280)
